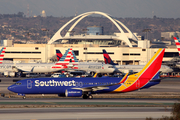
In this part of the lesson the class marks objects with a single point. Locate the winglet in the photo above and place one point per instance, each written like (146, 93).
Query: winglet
(2, 52)
(95, 75)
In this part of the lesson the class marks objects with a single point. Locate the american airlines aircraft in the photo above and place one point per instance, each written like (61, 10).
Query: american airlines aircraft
(86, 87)
(4, 66)
(36, 67)
(46, 67)
(91, 67)
(133, 68)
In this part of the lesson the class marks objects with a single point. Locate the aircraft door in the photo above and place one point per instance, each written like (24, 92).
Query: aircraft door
(138, 84)
(29, 84)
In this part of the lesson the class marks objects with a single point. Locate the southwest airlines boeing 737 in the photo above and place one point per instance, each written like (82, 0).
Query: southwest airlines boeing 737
(85, 87)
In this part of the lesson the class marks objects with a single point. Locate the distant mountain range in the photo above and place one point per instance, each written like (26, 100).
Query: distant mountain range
(116, 8)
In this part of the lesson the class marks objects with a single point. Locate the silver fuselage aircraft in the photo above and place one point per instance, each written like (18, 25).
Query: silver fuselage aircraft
(94, 67)
(37, 67)
(137, 68)
(130, 68)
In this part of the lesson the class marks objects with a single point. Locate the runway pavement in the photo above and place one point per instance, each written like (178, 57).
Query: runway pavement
(88, 101)
(100, 113)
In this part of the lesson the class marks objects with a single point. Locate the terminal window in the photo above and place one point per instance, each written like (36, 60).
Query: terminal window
(97, 52)
(76, 52)
(171, 54)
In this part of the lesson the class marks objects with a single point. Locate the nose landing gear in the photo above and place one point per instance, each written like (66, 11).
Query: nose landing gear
(24, 97)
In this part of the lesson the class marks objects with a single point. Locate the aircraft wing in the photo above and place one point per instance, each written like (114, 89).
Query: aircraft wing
(154, 80)
(96, 88)
(15, 69)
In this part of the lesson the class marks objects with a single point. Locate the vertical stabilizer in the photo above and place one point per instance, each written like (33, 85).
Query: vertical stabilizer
(2, 52)
(152, 67)
(107, 58)
(58, 54)
(65, 60)
(177, 41)
(148, 73)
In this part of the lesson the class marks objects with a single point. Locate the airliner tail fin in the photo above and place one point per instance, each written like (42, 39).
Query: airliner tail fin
(58, 54)
(2, 52)
(177, 41)
(107, 58)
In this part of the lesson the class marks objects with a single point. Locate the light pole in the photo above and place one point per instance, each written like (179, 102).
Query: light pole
(146, 30)
(85, 48)
(46, 30)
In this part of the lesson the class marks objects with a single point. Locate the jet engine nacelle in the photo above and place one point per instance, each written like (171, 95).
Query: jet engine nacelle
(73, 93)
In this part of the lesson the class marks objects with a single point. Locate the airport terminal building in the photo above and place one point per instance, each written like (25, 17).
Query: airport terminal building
(25, 53)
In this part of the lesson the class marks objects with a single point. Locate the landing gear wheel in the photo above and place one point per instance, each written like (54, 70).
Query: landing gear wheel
(90, 97)
(92, 73)
(2, 95)
(85, 96)
(24, 97)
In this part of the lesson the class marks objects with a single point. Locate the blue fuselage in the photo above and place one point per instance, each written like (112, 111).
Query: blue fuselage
(60, 85)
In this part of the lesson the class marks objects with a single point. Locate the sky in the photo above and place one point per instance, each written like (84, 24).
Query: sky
(116, 8)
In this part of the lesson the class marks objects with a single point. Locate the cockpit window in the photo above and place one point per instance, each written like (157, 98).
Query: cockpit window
(19, 83)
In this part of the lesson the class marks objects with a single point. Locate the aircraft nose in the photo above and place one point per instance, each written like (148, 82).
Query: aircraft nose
(11, 88)
(170, 70)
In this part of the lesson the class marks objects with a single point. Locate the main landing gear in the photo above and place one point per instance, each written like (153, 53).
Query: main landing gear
(86, 96)
(24, 97)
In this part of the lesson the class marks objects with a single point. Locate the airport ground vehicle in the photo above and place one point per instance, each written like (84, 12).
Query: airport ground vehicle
(56, 75)
(9, 74)
(31, 75)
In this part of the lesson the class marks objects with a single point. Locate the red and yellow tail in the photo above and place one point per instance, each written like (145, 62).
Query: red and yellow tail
(150, 70)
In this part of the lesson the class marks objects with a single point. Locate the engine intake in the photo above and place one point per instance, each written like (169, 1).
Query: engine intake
(73, 93)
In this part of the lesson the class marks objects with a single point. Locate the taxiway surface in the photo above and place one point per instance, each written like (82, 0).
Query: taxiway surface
(104, 113)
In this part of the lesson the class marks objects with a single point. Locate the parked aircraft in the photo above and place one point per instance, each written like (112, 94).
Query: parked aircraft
(133, 68)
(36, 67)
(91, 67)
(5, 68)
(45, 67)
(77, 87)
